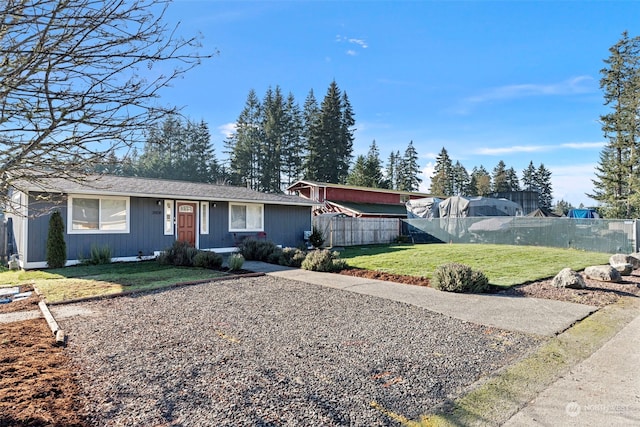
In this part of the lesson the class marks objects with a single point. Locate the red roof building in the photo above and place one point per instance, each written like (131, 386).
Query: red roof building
(360, 202)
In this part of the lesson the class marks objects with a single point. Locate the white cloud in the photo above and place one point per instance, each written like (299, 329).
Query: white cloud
(359, 42)
(227, 129)
(351, 52)
(427, 173)
(488, 151)
(572, 183)
(352, 41)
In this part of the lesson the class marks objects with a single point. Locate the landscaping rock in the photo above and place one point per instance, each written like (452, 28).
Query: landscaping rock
(624, 269)
(604, 273)
(634, 259)
(567, 278)
(618, 259)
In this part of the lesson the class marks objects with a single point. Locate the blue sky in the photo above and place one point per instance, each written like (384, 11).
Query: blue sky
(489, 81)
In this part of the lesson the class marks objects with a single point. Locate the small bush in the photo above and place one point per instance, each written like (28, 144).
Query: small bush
(316, 238)
(179, 254)
(292, 257)
(455, 277)
(207, 259)
(274, 257)
(323, 260)
(257, 250)
(235, 262)
(98, 256)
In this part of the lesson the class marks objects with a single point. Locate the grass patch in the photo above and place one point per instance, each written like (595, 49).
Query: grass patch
(504, 265)
(98, 280)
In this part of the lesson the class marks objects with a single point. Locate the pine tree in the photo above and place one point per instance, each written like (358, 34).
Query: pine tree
(358, 174)
(482, 180)
(617, 183)
(391, 173)
(499, 178)
(373, 167)
(330, 138)
(56, 246)
(543, 182)
(408, 179)
(512, 180)
(244, 145)
(442, 178)
(273, 127)
(293, 151)
(461, 180)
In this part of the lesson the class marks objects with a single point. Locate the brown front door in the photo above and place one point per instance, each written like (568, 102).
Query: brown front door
(187, 222)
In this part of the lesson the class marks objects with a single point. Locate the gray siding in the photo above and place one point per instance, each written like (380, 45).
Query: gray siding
(284, 225)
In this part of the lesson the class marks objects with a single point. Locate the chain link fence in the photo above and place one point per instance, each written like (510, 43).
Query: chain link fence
(598, 235)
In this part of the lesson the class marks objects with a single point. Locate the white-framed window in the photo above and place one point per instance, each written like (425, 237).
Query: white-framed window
(89, 214)
(204, 217)
(246, 217)
(168, 217)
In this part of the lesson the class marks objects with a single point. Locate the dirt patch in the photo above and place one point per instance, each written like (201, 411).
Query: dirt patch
(30, 303)
(597, 293)
(37, 383)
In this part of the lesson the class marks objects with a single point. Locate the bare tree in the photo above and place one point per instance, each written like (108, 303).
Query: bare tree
(80, 79)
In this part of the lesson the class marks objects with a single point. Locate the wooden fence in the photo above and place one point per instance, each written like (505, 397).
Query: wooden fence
(347, 231)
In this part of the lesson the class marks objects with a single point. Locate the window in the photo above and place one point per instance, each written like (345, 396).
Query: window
(168, 217)
(246, 217)
(98, 215)
(204, 217)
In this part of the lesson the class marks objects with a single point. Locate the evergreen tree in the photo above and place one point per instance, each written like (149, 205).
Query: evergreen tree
(293, 151)
(461, 180)
(56, 246)
(617, 182)
(543, 182)
(273, 127)
(442, 178)
(408, 179)
(499, 178)
(358, 175)
(562, 208)
(391, 173)
(482, 181)
(330, 139)
(244, 145)
(373, 167)
(529, 181)
(512, 180)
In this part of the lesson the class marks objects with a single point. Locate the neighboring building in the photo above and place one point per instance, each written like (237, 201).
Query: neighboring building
(361, 202)
(138, 217)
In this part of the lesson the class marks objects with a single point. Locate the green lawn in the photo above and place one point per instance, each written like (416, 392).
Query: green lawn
(97, 280)
(503, 265)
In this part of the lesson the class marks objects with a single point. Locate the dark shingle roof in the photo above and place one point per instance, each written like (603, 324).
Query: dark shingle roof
(110, 185)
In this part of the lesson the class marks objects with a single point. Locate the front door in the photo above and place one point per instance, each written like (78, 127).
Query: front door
(187, 222)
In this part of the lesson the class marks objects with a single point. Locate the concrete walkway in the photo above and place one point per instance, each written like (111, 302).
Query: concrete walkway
(603, 390)
(529, 315)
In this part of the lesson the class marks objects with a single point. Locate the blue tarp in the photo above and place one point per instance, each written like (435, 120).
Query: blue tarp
(582, 213)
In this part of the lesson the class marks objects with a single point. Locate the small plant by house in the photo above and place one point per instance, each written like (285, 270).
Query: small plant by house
(316, 238)
(207, 259)
(56, 246)
(98, 256)
(292, 257)
(455, 277)
(323, 260)
(235, 262)
(179, 254)
(258, 250)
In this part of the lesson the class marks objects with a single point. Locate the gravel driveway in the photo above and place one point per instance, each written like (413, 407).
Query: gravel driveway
(269, 351)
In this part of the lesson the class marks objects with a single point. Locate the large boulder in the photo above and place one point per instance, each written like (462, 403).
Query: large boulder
(623, 269)
(567, 278)
(618, 259)
(634, 259)
(604, 273)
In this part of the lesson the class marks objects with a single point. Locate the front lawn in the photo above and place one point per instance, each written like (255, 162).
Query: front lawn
(504, 265)
(96, 280)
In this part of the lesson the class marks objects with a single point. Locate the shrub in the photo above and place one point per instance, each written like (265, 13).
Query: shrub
(316, 238)
(257, 250)
(207, 259)
(292, 257)
(235, 262)
(323, 260)
(455, 277)
(179, 254)
(56, 246)
(98, 255)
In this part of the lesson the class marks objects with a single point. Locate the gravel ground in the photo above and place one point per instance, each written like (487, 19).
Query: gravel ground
(267, 352)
